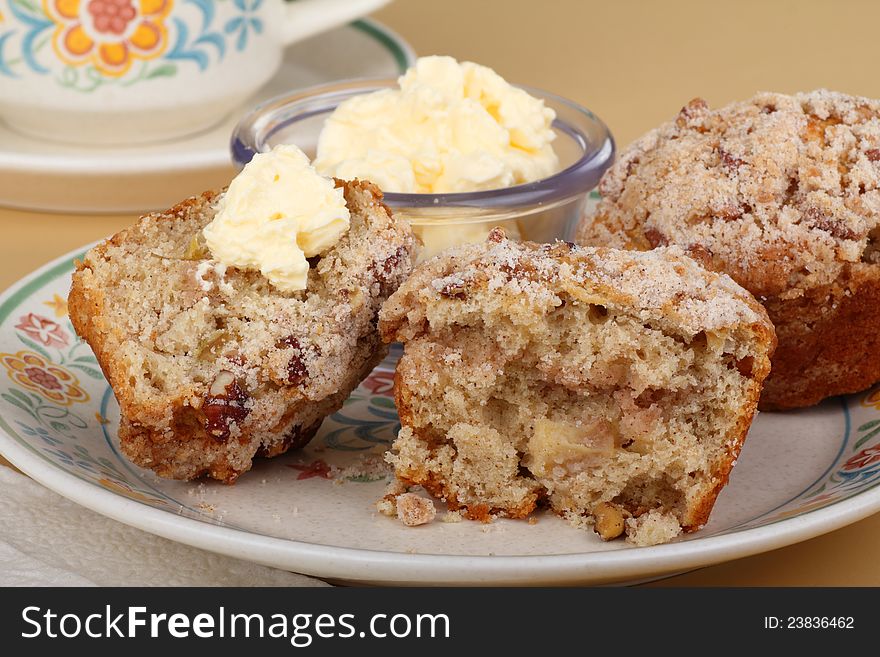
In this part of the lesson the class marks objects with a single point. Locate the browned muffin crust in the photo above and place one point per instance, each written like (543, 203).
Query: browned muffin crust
(616, 387)
(783, 194)
(214, 366)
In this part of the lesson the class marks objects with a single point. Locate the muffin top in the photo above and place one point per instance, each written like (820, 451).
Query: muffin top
(521, 280)
(780, 192)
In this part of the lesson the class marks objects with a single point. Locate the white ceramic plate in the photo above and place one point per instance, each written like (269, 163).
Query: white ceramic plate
(800, 474)
(43, 175)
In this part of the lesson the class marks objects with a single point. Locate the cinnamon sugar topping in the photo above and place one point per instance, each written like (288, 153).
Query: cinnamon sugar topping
(783, 191)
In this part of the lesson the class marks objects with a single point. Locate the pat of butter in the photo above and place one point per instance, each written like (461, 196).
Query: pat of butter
(451, 127)
(276, 213)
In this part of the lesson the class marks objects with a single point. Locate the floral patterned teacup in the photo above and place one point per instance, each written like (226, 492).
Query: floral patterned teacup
(129, 71)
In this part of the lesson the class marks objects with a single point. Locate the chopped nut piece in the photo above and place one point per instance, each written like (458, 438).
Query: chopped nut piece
(297, 370)
(728, 160)
(693, 109)
(655, 237)
(221, 382)
(609, 521)
(224, 405)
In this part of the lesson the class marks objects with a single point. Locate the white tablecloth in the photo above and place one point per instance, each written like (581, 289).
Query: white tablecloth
(47, 540)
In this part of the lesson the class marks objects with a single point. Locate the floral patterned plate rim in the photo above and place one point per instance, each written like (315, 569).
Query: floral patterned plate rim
(800, 474)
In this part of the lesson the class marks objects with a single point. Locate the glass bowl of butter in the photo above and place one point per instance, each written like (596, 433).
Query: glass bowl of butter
(454, 148)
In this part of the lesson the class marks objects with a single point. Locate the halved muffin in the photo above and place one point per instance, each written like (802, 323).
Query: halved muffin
(615, 386)
(213, 366)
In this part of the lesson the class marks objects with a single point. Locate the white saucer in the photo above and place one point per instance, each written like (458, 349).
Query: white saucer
(43, 175)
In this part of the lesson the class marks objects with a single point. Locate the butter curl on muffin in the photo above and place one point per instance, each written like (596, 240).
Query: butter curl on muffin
(217, 358)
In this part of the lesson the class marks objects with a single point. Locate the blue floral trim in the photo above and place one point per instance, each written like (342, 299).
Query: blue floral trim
(242, 25)
(35, 24)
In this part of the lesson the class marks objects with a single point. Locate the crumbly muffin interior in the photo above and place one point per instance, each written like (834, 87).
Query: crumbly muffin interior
(586, 404)
(185, 315)
(212, 365)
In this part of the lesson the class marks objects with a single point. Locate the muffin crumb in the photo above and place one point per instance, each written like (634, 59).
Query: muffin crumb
(413, 510)
(651, 528)
(386, 507)
(452, 516)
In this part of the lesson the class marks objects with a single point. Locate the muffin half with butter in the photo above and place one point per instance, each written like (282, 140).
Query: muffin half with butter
(232, 324)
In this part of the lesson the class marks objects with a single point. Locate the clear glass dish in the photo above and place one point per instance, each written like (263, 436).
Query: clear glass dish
(540, 211)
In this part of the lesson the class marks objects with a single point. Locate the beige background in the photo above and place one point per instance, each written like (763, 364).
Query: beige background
(634, 63)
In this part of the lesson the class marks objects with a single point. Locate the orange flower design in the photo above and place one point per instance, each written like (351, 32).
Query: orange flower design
(58, 304)
(873, 399)
(121, 488)
(815, 503)
(110, 34)
(51, 381)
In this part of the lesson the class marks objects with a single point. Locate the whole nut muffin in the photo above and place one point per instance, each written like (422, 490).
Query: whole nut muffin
(616, 387)
(214, 366)
(783, 194)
